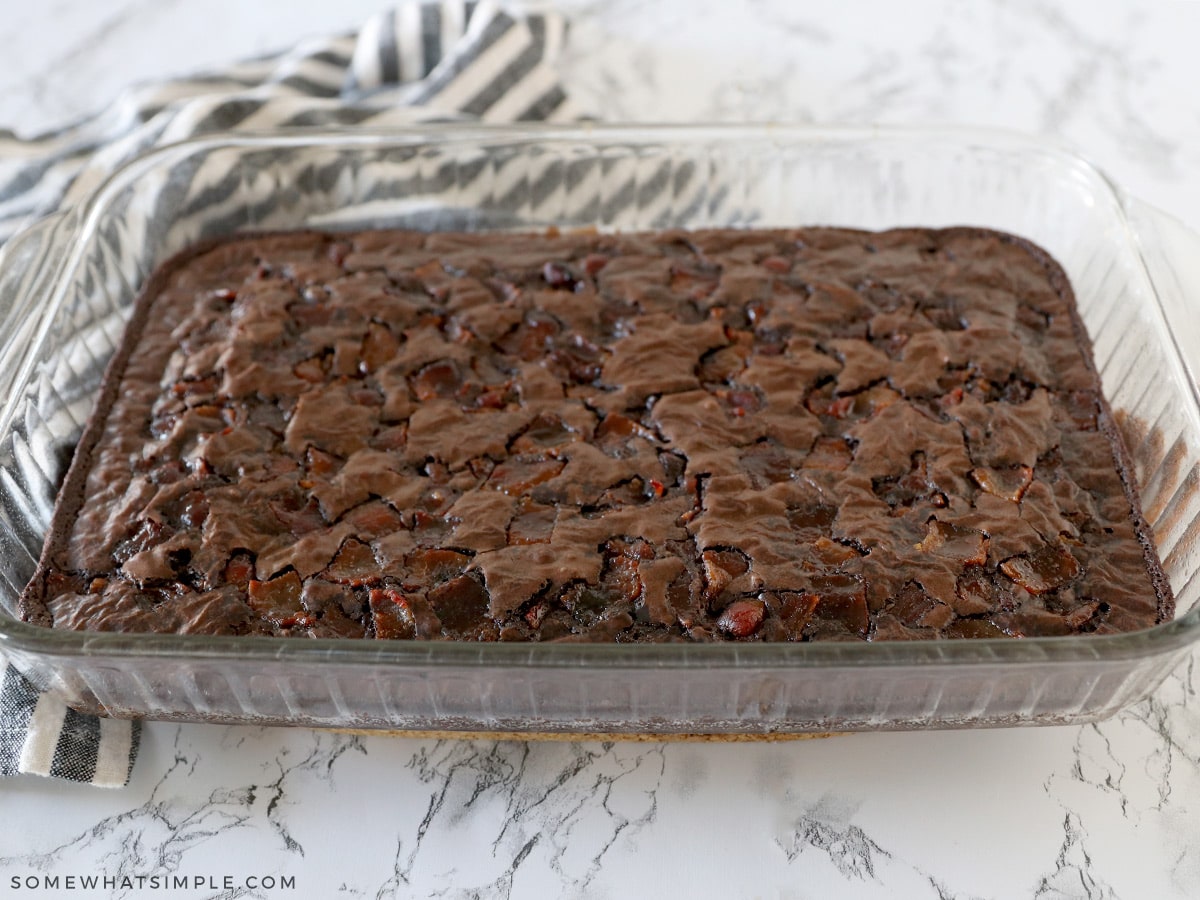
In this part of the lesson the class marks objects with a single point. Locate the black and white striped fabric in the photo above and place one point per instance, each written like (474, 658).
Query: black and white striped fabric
(416, 63)
(41, 736)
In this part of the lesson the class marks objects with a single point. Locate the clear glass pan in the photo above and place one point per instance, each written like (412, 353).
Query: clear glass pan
(67, 284)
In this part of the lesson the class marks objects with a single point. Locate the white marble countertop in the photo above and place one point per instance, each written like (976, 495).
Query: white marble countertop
(1104, 811)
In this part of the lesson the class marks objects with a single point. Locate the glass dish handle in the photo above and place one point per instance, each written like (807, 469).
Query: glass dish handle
(1171, 252)
(28, 263)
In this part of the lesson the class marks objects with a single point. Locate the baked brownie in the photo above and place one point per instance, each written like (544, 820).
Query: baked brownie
(756, 435)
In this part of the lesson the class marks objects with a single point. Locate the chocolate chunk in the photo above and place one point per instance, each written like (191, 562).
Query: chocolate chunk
(391, 615)
(277, 600)
(1049, 567)
(742, 618)
(462, 606)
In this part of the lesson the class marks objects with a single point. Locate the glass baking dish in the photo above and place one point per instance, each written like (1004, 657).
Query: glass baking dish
(67, 285)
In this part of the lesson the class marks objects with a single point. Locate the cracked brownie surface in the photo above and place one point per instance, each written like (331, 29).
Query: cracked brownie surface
(756, 435)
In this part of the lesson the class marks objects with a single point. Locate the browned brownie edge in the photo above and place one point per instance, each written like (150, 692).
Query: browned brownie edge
(31, 605)
(1124, 464)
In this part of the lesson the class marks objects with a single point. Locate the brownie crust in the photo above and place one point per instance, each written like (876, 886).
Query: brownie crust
(743, 435)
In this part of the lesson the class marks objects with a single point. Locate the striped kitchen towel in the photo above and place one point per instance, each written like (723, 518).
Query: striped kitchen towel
(419, 62)
(41, 736)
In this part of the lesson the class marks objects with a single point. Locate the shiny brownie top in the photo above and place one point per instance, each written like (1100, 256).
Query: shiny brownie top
(751, 435)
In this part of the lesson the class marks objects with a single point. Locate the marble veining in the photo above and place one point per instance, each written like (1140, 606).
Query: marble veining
(382, 817)
(1107, 810)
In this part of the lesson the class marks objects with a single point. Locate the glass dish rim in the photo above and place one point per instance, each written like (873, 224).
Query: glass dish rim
(18, 637)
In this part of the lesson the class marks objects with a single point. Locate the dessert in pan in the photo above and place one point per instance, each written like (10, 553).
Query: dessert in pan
(805, 434)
